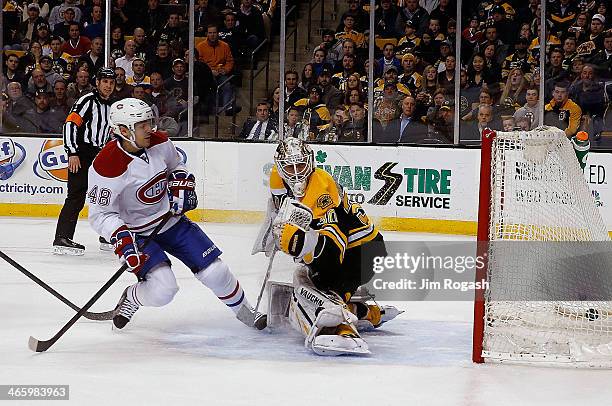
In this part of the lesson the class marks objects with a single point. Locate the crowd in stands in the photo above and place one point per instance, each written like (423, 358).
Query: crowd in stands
(57, 48)
(414, 72)
(53, 49)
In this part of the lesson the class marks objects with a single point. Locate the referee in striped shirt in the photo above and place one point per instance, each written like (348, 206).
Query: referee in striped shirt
(85, 132)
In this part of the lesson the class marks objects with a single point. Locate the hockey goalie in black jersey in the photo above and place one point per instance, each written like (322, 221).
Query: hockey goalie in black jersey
(334, 242)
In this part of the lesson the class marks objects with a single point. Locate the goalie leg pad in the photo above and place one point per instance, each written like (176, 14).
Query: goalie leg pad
(279, 297)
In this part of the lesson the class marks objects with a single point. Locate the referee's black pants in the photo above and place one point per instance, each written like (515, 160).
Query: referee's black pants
(77, 192)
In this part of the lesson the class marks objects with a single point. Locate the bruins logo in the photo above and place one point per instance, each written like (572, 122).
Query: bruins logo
(324, 201)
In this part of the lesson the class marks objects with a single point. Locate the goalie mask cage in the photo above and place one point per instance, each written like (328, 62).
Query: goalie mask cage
(532, 190)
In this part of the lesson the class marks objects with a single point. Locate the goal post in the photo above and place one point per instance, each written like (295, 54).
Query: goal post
(547, 259)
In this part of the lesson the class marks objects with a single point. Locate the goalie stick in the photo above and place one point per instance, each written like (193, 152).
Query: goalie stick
(88, 315)
(41, 346)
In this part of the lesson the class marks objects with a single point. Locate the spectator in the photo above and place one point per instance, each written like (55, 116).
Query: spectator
(508, 123)
(205, 14)
(361, 19)
(446, 78)
(409, 41)
(161, 62)
(319, 61)
(48, 120)
(602, 60)
(293, 126)
(315, 113)
(390, 77)
(57, 13)
(442, 125)
(384, 20)
(519, 59)
(46, 65)
(77, 44)
(37, 82)
(569, 52)
(292, 91)
(348, 68)
(177, 84)
(388, 59)
(250, 23)
(232, 35)
(414, 13)
(126, 60)
(491, 37)
(430, 79)
(173, 31)
(405, 129)
(122, 90)
(19, 107)
(332, 47)
(531, 110)
(94, 58)
(165, 102)
(44, 10)
(12, 73)
(348, 48)
(597, 28)
(31, 60)
(95, 28)
(515, 89)
(120, 16)
(139, 78)
(349, 32)
(117, 47)
(205, 86)
(28, 28)
(61, 101)
(262, 128)
(155, 19)
(562, 112)
(332, 97)
(81, 86)
(144, 50)
(62, 29)
(308, 77)
(410, 77)
(218, 56)
(443, 13)
(356, 129)
(588, 93)
(44, 38)
(474, 131)
(62, 62)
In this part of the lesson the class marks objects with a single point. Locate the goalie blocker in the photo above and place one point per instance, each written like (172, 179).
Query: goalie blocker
(334, 241)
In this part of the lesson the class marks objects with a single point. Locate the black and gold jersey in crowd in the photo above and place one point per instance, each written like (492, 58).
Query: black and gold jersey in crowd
(318, 117)
(343, 225)
(566, 117)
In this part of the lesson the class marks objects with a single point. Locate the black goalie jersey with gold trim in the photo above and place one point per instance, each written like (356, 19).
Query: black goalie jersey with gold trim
(345, 227)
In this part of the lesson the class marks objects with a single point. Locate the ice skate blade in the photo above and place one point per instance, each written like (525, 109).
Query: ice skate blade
(57, 250)
(334, 345)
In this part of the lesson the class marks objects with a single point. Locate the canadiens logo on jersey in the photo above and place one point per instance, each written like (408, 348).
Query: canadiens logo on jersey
(154, 190)
(52, 163)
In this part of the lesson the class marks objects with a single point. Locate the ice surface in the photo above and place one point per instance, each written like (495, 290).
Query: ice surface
(194, 351)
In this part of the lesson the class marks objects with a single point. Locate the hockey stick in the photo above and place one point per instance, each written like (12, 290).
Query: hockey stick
(88, 315)
(40, 346)
(246, 315)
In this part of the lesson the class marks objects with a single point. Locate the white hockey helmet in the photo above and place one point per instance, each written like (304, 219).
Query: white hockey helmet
(294, 160)
(128, 112)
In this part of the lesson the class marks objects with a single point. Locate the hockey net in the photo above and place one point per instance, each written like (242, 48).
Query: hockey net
(547, 265)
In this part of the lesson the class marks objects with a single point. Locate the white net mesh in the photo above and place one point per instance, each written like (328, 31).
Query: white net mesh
(547, 299)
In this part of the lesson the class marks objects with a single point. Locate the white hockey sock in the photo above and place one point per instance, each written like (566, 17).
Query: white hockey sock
(158, 288)
(218, 278)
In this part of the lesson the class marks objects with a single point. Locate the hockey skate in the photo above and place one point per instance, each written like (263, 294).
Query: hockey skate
(65, 246)
(247, 315)
(333, 334)
(105, 245)
(373, 315)
(125, 310)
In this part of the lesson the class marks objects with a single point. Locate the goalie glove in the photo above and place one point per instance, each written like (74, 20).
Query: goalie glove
(292, 234)
(181, 191)
(127, 250)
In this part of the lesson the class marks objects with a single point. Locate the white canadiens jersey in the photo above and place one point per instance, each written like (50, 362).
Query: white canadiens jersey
(126, 189)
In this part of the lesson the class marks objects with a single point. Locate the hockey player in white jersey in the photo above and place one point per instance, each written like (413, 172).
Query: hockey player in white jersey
(134, 181)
